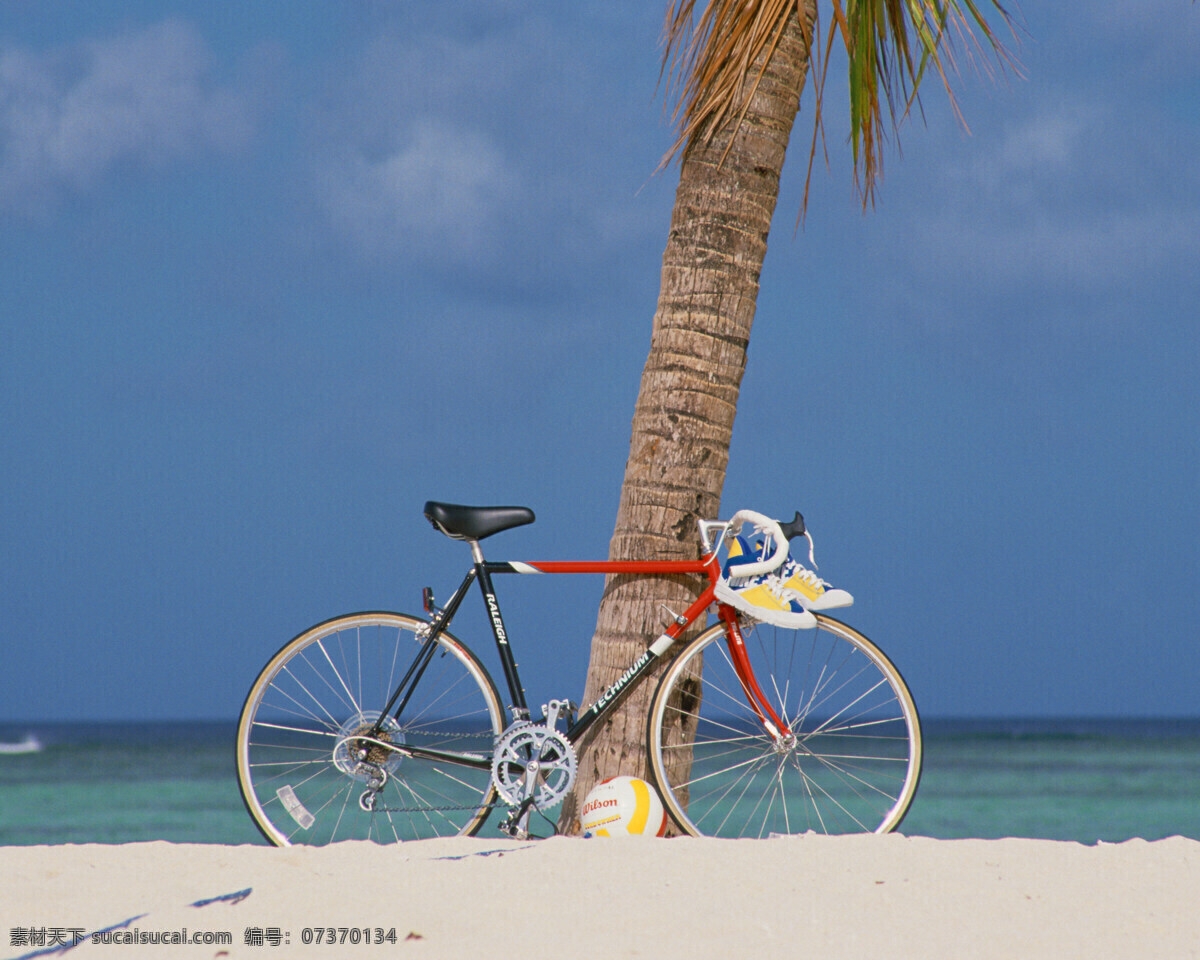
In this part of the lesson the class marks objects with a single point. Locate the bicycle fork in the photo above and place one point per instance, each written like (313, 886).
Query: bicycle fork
(776, 727)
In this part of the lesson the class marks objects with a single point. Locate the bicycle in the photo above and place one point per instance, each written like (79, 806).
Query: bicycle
(385, 726)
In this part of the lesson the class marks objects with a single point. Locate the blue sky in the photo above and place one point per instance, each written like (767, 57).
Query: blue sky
(272, 275)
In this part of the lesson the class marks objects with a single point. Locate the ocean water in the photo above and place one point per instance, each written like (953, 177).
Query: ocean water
(1085, 780)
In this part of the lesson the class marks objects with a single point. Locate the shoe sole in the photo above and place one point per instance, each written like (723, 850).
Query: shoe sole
(819, 605)
(778, 618)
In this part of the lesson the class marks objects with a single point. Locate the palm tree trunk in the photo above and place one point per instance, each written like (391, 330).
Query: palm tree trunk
(683, 420)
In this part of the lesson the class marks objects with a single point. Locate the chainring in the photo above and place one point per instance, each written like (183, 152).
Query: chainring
(524, 744)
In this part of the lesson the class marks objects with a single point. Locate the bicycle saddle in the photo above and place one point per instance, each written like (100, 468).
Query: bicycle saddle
(474, 523)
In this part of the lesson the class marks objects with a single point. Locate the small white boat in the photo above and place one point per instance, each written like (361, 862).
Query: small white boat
(30, 744)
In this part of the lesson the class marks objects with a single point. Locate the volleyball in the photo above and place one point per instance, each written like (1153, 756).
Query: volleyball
(623, 807)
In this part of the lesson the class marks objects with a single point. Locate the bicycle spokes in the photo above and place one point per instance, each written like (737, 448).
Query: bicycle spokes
(845, 759)
(319, 760)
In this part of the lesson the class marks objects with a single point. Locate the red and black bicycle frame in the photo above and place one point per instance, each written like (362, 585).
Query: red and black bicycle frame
(482, 572)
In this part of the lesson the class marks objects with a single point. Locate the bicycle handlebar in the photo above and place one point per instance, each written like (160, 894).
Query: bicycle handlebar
(769, 527)
(794, 527)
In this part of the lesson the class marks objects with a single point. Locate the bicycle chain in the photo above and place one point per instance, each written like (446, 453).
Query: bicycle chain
(400, 746)
(475, 806)
(396, 747)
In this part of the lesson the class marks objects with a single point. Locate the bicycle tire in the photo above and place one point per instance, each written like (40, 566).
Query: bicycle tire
(298, 777)
(849, 762)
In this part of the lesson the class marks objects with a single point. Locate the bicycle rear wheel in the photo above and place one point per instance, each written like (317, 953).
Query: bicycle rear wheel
(848, 762)
(302, 771)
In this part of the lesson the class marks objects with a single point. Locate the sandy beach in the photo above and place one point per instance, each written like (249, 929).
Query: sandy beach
(829, 897)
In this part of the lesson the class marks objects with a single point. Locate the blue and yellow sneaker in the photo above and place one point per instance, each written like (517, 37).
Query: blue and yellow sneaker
(740, 551)
(806, 588)
(763, 597)
(811, 591)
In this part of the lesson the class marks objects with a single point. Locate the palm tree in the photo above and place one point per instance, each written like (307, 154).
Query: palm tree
(739, 70)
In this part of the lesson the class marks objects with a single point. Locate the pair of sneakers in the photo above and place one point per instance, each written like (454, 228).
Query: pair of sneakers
(784, 597)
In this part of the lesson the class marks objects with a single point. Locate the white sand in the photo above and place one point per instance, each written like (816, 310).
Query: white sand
(810, 897)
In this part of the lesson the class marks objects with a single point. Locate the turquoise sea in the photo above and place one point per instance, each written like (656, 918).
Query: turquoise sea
(1083, 779)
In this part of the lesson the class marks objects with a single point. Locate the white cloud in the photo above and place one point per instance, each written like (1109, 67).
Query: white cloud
(70, 116)
(1065, 249)
(1033, 150)
(442, 189)
(1047, 140)
(515, 145)
(1074, 195)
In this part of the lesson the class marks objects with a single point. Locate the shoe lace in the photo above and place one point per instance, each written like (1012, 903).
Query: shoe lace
(793, 569)
(786, 596)
(774, 583)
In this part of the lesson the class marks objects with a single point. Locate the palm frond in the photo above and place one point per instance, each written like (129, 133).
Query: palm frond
(713, 62)
(710, 62)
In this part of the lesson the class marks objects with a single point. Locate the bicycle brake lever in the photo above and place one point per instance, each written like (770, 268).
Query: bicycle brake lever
(794, 527)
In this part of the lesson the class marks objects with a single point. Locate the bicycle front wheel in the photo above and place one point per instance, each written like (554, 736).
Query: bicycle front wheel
(306, 774)
(848, 760)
